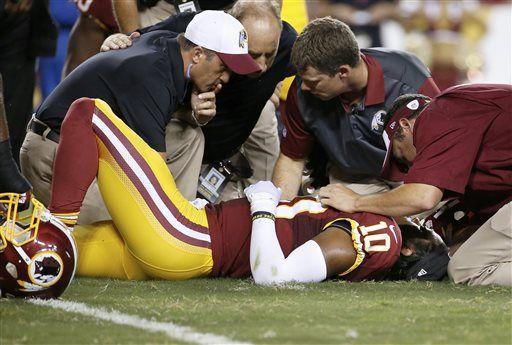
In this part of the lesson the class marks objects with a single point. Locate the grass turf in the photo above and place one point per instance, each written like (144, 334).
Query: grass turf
(326, 313)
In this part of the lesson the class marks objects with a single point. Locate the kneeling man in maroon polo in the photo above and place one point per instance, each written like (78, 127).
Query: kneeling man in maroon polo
(455, 145)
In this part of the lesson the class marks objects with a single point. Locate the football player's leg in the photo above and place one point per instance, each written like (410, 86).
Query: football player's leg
(103, 253)
(76, 161)
(165, 233)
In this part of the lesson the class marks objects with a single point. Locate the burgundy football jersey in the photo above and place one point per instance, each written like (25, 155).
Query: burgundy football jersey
(101, 10)
(377, 239)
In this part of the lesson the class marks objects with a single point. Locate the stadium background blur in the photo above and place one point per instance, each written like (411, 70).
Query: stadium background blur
(471, 39)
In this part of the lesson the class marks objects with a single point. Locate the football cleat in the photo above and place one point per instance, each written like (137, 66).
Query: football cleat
(37, 252)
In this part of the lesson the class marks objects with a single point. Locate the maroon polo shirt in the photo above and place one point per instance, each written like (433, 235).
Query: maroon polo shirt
(463, 141)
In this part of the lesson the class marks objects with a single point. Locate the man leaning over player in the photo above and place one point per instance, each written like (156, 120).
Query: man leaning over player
(145, 85)
(455, 145)
(162, 235)
(338, 102)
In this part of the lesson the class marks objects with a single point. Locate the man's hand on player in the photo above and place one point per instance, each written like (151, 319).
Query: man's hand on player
(338, 197)
(118, 41)
(263, 196)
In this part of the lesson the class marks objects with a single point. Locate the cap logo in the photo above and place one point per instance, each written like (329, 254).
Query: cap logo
(413, 105)
(242, 39)
(392, 125)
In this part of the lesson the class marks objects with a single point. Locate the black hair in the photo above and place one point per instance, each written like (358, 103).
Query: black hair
(422, 242)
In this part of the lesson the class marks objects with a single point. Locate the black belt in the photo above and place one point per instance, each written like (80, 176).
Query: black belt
(43, 130)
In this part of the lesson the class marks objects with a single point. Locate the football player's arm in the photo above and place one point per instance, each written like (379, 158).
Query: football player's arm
(406, 200)
(268, 264)
(127, 15)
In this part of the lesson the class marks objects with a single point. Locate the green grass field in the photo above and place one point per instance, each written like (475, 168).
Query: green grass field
(239, 311)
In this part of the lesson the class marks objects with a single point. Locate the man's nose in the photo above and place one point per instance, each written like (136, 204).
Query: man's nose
(262, 63)
(304, 87)
(224, 78)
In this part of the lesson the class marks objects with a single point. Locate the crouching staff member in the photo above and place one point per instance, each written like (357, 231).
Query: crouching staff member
(145, 84)
(162, 235)
(458, 144)
(337, 104)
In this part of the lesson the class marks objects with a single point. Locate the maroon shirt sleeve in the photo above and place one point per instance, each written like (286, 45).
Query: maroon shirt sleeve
(446, 148)
(429, 88)
(297, 141)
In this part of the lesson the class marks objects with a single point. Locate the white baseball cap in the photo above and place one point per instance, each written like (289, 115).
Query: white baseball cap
(226, 36)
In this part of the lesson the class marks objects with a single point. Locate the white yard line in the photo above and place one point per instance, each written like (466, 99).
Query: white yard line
(177, 332)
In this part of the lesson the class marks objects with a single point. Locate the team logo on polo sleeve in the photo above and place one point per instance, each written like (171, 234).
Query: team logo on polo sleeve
(242, 39)
(378, 120)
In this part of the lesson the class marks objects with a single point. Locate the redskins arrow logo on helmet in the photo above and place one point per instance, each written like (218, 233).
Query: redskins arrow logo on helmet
(37, 252)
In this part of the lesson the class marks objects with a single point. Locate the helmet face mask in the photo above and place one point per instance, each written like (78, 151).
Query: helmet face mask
(37, 253)
(19, 226)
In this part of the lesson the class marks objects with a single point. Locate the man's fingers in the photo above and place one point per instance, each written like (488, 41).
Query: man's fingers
(206, 112)
(134, 34)
(206, 95)
(205, 105)
(104, 48)
(125, 40)
(324, 191)
(325, 201)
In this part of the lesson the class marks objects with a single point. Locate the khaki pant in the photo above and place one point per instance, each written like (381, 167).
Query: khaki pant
(185, 149)
(36, 160)
(161, 11)
(364, 186)
(261, 150)
(185, 144)
(486, 257)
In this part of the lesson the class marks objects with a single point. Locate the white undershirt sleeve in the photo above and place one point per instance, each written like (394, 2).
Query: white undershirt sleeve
(268, 264)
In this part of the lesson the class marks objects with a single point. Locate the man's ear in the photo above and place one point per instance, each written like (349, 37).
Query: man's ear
(405, 124)
(198, 52)
(344, 71)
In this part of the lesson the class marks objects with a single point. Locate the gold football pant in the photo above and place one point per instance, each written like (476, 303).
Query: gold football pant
(161, 235)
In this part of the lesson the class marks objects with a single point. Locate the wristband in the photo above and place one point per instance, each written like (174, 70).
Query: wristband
(263, 214)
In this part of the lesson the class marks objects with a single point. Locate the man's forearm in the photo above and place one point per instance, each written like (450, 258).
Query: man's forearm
(288, 176)
(127, 15)
(406, 200)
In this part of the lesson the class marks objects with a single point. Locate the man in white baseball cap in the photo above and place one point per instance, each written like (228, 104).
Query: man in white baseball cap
(144, 85)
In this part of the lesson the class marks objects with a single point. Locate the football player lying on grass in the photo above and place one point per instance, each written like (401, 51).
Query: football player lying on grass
(156, 233)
